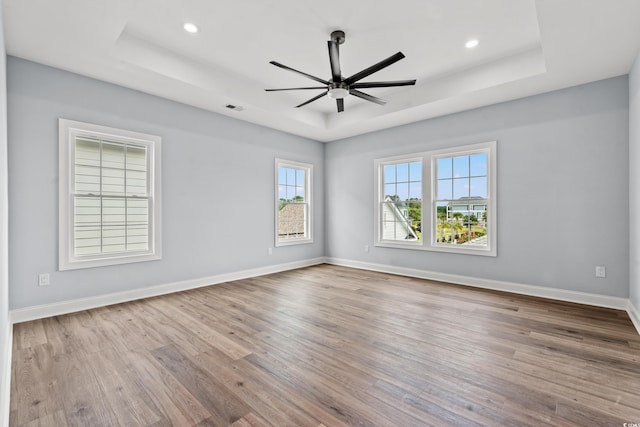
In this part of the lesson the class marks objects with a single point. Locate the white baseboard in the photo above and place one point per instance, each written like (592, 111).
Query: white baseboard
(5, 382)
(634, 315)
(55, 309)
(518, 288)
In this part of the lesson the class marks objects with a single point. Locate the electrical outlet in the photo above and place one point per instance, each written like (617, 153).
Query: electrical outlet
(43, 279)
(270, 251)
(366, 248)
(601, 271)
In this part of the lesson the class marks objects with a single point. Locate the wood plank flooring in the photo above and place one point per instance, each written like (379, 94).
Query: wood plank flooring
(329, 346)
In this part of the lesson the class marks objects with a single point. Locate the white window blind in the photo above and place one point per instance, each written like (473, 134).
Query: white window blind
(111, 199)
(111, 213)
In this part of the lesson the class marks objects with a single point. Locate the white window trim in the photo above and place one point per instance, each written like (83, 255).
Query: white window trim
(68, 130)
(309, 200)
(429, 218)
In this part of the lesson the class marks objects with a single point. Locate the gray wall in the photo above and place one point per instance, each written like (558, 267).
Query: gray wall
(634, 183)
(217, 186)
(562, 189)
(4, 280)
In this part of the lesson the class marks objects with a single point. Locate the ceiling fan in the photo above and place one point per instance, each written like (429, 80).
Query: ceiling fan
(339, 87)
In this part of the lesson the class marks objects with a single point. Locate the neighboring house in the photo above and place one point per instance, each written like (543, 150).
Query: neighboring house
(291, 221)
(475, 206)
(396, 223)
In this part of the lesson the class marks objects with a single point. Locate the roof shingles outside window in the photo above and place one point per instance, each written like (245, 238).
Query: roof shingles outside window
(291, 220)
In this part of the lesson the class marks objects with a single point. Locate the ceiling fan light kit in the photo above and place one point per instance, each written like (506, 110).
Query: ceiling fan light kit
(338, 91)
(339, 87)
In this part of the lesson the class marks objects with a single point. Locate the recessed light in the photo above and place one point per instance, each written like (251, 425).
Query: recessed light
(471, 43)
(190, 28)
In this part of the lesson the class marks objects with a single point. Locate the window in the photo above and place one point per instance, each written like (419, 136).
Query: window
(401, 203)
(459, 186)
(109, 196)
(293, 202)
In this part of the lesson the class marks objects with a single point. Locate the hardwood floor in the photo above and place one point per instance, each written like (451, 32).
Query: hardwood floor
(329, 346)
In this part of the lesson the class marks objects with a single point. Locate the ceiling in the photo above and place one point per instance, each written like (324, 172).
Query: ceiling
(525, 47)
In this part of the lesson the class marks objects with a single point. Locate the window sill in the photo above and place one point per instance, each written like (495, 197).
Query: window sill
(293, 242)
(419, 246)
(106, 261)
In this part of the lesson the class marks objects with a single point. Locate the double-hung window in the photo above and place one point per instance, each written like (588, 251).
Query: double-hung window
(109, 196)
(293, 202)
(401, 201)
(442, 200)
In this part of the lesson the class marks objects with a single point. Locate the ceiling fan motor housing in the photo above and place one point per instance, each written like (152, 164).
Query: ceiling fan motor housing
(338, 36)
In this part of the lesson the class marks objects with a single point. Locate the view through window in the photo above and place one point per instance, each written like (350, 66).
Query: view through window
(293, 202)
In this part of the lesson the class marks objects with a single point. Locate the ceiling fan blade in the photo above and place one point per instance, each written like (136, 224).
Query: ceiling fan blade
(296, 88)
(318, 79)
(312, 99)
(340, 104)
(366, 96)
(334, 60)
(374, 68)
(365, 85)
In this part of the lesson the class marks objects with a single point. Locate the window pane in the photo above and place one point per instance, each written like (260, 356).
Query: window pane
(87, 179)
(460, 188)
(299, 194)
(389, 172)
(389, 190)
(445, 168)
(461, 166)
(137, 231)
(476, 229)
(86, 230)
(415, 190)
(87, 151)
(296, 228)
(113, 225)
(136, 173)
(291, 176)
(415, 171)
(136, 183)
(402, 171)
(300, 177)
(282, 179)
(414, 209)
(113, 164)
(478, 164)
(403, 191)
(87, 166)
(442, 210)
(445, 189)
(291, 192)
(478, 187)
